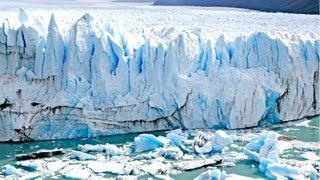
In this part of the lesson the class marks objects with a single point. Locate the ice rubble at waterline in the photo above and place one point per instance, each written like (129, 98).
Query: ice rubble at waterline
(90, 79)
(266, 150)
(94, 161)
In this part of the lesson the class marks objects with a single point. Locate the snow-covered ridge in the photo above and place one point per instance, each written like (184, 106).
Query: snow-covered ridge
(92, 79)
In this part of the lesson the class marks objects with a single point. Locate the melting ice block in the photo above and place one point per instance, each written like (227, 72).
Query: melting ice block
(146, 142)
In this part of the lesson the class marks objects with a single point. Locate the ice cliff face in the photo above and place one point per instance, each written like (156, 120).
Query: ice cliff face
(93, 80)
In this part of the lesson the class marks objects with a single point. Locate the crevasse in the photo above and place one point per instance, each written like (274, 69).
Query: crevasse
(92, 81)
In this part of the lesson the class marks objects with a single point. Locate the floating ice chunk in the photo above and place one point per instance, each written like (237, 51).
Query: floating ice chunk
(266, 149)
(234, 137)
(310, 156)
(56, 165)
(176, 139)
(282, 171)
(196, 164)
(212, 174)
(202, 143)
(92, 148)
(110, 149)
(264, 146)
(220, 140)
(32, 175)
(156, 168)
(206, 148)
(234, 146)
(170, 153)
(235, 176)
(188, 157)
(176, 131)
(304, 122)
(113, 150)
(82, 156)
(103, 167)
(115, 168)
(10, 170)
(164, 177)
(164, 140)
(97, 167)
(270, 150)
(31, 164)
(78, 173)
(145, 142)
(284, 145)
(207, 144)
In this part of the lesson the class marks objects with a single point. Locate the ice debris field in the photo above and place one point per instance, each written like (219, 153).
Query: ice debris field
(95, 72)
(176, 152)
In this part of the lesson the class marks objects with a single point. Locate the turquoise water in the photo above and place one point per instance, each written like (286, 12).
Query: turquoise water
(243, 167)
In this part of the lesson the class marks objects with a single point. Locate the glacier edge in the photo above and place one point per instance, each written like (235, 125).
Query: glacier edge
(94, 81)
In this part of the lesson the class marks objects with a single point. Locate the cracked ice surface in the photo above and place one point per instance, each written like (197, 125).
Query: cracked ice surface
(74, 74)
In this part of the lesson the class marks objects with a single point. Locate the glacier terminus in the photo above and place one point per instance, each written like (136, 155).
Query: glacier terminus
(75, 74)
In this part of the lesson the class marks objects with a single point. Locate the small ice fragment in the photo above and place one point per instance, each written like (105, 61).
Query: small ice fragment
(78, 173)
(10, 170)
(310, 156)
(56, 165)
(32, 175)
(170, 153)
(212, 174)
(31, 164)
(176, 139)
(82, 156)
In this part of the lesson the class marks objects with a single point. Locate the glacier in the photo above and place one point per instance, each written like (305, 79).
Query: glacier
(80, 76)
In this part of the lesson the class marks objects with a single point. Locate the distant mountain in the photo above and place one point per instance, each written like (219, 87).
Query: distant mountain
(288, 6)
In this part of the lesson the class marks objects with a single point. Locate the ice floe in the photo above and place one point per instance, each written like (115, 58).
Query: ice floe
(82, 156)
(310, 156)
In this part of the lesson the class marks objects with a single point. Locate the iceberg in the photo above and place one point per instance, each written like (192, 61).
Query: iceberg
(80, 74)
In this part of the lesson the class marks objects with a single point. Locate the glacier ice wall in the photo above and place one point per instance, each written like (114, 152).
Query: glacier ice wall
(93, 80)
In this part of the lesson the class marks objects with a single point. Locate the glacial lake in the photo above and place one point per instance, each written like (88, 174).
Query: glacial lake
(304, 130)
